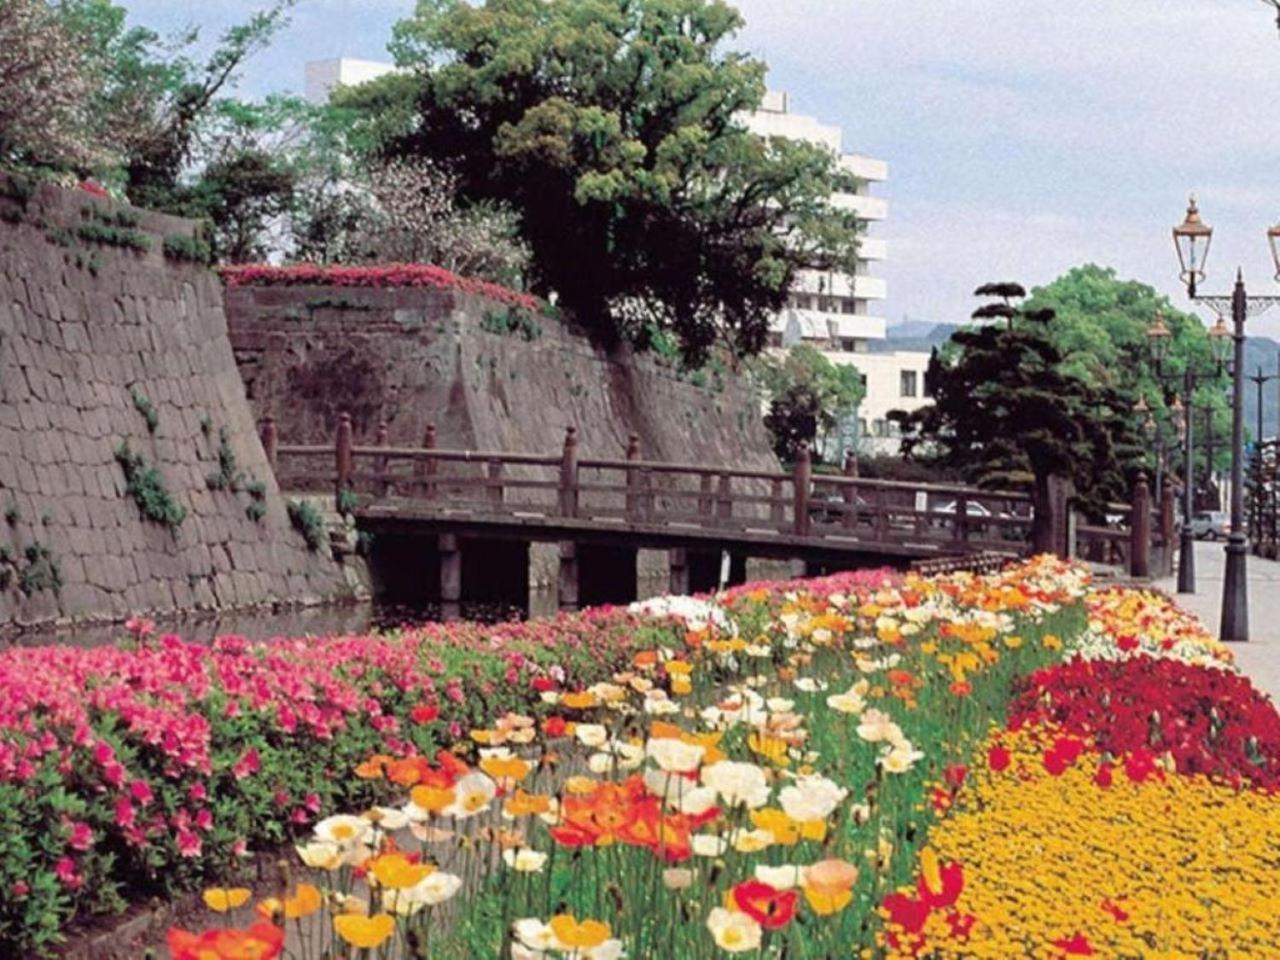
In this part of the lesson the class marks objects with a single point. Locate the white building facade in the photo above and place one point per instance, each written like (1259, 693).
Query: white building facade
(322, 76)
(841, 315)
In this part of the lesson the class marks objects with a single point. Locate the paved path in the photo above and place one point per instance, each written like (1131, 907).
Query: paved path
(1260, 657)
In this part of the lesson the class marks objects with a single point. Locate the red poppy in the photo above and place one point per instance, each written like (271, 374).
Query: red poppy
(951, 876)
(1118, 913)
(906, 912)
(262, 941)
(767, 906)
(998, 759)
(424, 713)
(555, 727)
(1076, 946)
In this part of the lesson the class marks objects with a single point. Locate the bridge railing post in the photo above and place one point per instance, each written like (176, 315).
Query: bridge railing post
(1140, 529)
(384, 482)
(569, 474)
(634, 502)
(270, 440)
(724, 499)
(850, 491)
(342, 454)
(496, 491)
(801, 476)
(704, 495)
(960, 524)
(427, 466)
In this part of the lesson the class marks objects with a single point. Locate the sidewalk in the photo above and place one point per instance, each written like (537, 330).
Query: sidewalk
(1260, 657)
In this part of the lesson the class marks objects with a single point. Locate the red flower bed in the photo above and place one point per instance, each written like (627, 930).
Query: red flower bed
(1211, 722)
(382, 275)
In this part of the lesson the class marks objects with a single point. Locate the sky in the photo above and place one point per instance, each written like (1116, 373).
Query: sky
(1023, 137)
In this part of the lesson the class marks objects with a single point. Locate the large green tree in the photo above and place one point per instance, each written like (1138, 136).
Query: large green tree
(809, 397)
(614, 129)
(1100, 328)
(1008, 410)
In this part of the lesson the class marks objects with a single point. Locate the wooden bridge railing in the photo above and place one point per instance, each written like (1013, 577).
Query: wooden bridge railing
(631, 492)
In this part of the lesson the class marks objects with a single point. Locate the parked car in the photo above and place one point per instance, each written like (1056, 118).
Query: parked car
(971, 509)
(1210, 525)
(831, 508)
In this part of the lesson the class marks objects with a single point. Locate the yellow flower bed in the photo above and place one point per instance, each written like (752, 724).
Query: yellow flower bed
(1058, 866)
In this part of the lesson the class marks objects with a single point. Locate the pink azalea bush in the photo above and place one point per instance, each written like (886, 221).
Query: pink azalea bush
(146, 768)
(381, 275)
(143, 768)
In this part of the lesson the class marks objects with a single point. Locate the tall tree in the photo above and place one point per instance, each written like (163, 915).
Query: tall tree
(1100, 328)
(1008, 411)
(45, 115)
(809, 397)
(613, 128)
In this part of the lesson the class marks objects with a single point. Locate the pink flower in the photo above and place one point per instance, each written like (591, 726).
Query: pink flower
(65, 871)
(140, 790)
(197, 793)
(125, 814)
(204, 820)
(81, 837)
(189, 844)
(20, 889)
(248, 764)
(312, 802)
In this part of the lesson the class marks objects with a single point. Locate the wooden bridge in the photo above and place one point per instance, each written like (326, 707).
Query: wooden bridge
(596, 510)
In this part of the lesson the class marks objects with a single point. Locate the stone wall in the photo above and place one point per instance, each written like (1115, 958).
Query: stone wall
(94, 333)
(414, 356)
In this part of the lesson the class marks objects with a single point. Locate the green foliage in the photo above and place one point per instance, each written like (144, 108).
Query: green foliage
(512, 321)
(17, 187)
(1009, 411)
(809, 397)
(226, 477)
(179, 246)
(1100, 329)
(307, 521)
(12, 513)
(95, 232)
(144, 484)
(347, 501)
(147, 409)
(611, 128)
(255, 511)
(40, 572)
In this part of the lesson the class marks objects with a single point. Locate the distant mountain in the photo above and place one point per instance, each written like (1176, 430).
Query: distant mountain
(1262, 352)
(913, 335)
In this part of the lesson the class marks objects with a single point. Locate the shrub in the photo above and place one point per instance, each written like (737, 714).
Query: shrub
(178, 246)
(96, 232)
(147, 409)
(226, 477)
(41, 571)
(512, 320)
(144, 484)
(307, 521)
(387, 275)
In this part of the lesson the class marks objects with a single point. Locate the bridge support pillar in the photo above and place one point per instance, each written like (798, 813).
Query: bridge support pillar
(567, 590)
(679, 578)
(450, 577)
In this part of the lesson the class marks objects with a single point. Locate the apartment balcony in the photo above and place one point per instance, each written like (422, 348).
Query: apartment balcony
(865, 208)
(872, 248)
(864, 168)
(831, 284)
(826, 329)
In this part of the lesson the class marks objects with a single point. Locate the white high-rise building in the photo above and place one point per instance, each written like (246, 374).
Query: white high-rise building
(324, 75)
(838, 314)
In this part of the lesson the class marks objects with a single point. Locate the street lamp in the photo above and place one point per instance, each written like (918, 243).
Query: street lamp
(1191, 239)
(1159, 338)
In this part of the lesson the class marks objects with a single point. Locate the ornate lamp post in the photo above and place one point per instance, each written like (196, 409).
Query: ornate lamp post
(1191, 239)
(1159, 338)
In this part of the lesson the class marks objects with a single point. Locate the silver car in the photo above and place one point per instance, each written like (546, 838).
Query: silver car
(1210, 525)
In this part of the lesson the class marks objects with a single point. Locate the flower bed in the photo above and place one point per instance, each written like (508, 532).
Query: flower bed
(382, 275)
(1001, 766)
(150, 767)
(761, 779)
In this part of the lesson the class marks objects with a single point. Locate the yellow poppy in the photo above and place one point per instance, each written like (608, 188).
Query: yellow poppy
(364, 932)
(222, 899)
